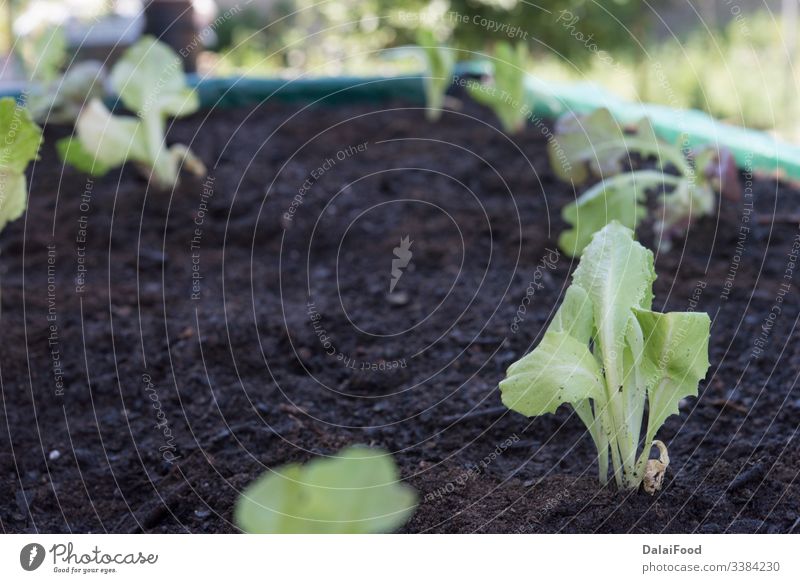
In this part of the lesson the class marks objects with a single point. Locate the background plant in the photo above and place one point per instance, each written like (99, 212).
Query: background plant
(438, 76)
(505, 94)
(149, 80)
(597, 147)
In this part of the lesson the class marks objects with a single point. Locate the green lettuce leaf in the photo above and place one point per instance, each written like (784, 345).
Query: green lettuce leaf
(357, 492)
(20, 138)
(13, 197)
(61, 100)
(150, 76)
(676, 360)
(71, 151)
(559, 370)
(44, 52)
(439, 63)
(617, 274)
(149, 80)
(506, 96)
(104, 140)
(597, 145)
(621, 198)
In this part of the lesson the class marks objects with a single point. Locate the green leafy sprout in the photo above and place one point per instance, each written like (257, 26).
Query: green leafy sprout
(355, 492)
(607, 353)
(43, 52)
(62, 100)
(51, 96)
(439, 63)
(506, 95)
(596, 146)
(149, 80)
(21, 138)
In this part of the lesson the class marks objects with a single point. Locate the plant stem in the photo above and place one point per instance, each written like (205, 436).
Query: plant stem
(164, 169)
(584, 410)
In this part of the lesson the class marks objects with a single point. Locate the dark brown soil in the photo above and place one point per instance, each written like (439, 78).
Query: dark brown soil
(242, 376)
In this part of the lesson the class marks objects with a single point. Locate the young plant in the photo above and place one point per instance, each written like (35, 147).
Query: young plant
(20, 138)
(607, 352)
(596, 146)
(61, 100)
(355, 492)
(506, 95)
(150, 81)
(43, 53)
(439, 63)
(53, 97)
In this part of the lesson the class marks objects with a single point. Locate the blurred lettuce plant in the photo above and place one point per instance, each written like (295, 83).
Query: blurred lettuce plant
(150, 81)
(505, 95)
(596, 147)
(51, 96)
(439, 63)
(358, 491)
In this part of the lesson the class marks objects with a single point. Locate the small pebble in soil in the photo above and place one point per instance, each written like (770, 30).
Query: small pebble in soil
(398, 298)
(202, 513)
(54, 455)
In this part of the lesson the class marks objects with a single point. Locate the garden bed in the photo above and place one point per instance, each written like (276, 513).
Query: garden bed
(133, 362)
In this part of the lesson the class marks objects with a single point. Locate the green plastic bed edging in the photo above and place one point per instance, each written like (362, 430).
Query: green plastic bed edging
(754, 150)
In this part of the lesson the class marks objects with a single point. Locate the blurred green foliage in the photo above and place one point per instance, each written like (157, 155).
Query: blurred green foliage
(305, 34)
(737, 71)
(740, 74)
(545, 24)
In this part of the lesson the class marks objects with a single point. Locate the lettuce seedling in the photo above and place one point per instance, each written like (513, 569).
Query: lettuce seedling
(506, 95)
(355, 492)
(20, 138)
(150, 81)
(43, 53)
(51, 96)
(61, 100)
(439, 63)
(607, 353)
(596, 146)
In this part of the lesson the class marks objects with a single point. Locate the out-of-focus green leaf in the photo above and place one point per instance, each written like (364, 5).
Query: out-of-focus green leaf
(596, 144)
(61, 101)
(357, 491)
(111, 139)
(20, 138)
(506, 95)
(44, 52)
(439, 63)
(621, 198)
(150, 77)
(71, 151)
